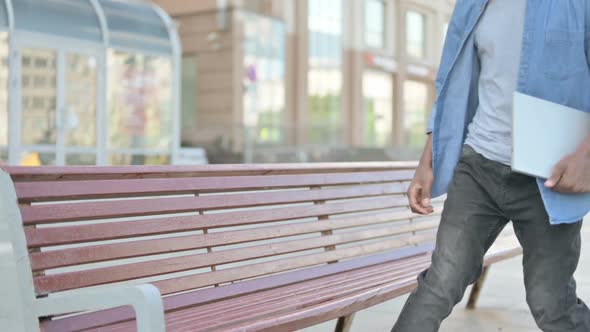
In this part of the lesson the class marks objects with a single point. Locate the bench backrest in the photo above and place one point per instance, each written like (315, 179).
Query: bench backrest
(184, 228)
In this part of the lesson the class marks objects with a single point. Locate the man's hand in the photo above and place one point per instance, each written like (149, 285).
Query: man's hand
(572, 173)
(421, 186)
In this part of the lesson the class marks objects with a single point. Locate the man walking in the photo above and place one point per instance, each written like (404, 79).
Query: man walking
(493, 48)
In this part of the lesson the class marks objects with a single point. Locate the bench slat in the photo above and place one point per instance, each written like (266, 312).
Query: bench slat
(205, 318)
(232, 321)
(247, 289)
(327, 310)
(49, 236)
(72, 280)
(39, 214)
(505, 247)
(203, 322)
(311, 315)
(72, 256)
(342, 306)
(98, 253)
(415, 263)
(58, 173)
(283, 299)
(45, 191)
(179, 284)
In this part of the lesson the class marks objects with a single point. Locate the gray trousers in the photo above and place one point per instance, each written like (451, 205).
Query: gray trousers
(483, 196)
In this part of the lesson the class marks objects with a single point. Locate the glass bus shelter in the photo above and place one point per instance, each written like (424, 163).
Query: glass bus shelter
(85, 82)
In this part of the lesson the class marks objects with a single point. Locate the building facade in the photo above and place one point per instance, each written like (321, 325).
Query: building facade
(294, 77)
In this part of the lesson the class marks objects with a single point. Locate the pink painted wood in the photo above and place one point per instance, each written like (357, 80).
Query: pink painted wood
(287, 282)
(358, 210)
(72, 280)
(38, 214)
(38, 237)
(45, 191)
(59, 173)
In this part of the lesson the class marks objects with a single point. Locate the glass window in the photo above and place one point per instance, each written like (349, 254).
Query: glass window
(39, 81)
(325, 71)
(375, 23)
(80, 159)
(189, 93)
(3, 97)
(138, 159)
(36, 158)
(48, 17)
(264, 81)
(41, 63)
(140, 101)
(378, 100)
(81, 97)
(3, 14)
(415, 34)
(135, 26)
(39, 115)
(415, 113)
(38, 102)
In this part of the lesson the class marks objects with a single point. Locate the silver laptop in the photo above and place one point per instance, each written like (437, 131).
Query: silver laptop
(543, 133)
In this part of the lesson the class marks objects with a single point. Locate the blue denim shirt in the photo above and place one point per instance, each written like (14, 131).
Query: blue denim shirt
(554, 66)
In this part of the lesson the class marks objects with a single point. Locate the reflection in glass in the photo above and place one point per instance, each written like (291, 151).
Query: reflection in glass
(140, 102)
(264, 81)
(57, 17)
(3, 94)
(134, 25)
(34, 158)
(415, 34)
(189, 91)
(39, 116)
(415, 115)
(378, 98)
(325, 74)
(375, 23)
(80, 111)
(126, 159)
(80, 159)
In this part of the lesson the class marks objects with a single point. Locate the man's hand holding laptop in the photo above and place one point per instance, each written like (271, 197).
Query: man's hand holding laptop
(572, 173)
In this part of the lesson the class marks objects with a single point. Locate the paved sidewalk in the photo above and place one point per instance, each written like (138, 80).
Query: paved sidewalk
(501, 307)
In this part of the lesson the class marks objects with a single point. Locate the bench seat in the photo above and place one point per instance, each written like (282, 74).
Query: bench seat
(289, 301)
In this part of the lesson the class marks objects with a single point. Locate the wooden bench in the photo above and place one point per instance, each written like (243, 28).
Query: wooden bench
(209, 248)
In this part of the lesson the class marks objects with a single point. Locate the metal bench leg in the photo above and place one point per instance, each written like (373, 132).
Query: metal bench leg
(477, 288)
(344, 323)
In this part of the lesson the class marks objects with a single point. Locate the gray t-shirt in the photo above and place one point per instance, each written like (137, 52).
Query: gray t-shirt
(498, 38)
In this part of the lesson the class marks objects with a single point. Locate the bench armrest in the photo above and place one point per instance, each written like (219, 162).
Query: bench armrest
(145, 300)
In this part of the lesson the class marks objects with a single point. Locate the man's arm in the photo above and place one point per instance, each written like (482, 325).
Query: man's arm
(572, 173)
(421, 186)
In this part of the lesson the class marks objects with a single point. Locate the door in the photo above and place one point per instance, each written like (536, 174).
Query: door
(58, 106)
